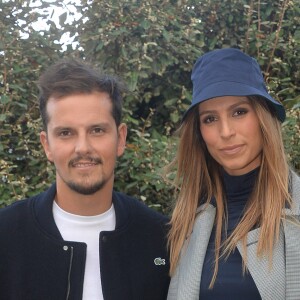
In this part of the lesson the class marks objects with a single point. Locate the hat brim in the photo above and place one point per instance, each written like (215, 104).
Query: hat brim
(220, 89)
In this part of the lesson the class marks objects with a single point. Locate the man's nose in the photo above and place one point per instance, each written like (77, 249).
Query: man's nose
(82, 145)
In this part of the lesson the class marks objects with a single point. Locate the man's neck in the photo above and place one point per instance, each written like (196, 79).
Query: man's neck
(84, 205)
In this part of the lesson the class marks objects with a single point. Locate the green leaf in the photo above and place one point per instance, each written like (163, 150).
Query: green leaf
(99, 46)
(133, 79)
(145, 24)
(62, 19)
(174, 117)
(4, 99)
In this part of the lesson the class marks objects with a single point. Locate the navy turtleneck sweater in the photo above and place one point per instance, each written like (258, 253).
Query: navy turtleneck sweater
(230, 284)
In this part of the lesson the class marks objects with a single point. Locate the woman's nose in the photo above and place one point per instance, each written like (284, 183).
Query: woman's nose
(227, 128)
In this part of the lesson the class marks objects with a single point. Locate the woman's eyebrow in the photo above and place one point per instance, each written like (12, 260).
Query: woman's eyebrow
(212, 111)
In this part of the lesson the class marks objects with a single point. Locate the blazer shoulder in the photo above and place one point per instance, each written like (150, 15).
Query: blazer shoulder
(295, 190)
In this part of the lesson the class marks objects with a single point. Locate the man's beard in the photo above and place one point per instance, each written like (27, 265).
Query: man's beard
(86, 189)
(81, 188)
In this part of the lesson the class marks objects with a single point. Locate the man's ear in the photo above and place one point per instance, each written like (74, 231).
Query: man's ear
(45, 143)
(122, 134)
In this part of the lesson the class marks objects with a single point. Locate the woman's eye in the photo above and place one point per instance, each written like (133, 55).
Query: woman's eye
(240, 112)
(209, 119)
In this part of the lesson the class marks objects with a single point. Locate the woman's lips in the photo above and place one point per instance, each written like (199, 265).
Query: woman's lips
(230, 150)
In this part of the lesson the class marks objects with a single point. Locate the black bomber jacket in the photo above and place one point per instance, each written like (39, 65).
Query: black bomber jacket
(37, 264)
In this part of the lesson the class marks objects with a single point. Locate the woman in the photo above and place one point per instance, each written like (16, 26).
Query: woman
(234, 229)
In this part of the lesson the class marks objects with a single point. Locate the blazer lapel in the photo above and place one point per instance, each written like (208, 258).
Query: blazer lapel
(270, 280)
(186, 282)
(292, 243)
(282, 281)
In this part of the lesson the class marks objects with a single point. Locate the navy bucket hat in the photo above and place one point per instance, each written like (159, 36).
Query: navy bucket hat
(229, 72)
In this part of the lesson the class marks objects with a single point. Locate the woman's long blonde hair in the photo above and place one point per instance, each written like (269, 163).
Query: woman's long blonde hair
(198, 179)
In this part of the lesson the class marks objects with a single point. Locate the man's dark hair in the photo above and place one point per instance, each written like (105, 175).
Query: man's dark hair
(71, 76)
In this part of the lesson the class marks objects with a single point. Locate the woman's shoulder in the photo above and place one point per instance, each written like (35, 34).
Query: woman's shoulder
(295, 189)
(295, 181)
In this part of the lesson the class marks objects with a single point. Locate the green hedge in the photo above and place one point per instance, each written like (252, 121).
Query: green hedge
(153, 46)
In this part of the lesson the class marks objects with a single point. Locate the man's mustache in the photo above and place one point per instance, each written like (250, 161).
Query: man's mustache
(78, 159)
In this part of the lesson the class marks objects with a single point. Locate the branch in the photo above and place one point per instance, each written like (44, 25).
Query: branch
(284, 6)
(248, 26)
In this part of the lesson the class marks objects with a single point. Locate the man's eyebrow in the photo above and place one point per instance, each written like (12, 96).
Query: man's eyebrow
(59, 128)
(101, 124)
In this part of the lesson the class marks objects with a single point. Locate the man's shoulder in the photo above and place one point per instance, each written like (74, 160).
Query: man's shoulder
(14, 217)
(17, 210)
(138, 209)
(17, 207)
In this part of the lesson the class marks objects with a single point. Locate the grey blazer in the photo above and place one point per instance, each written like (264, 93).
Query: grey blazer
(280, 282)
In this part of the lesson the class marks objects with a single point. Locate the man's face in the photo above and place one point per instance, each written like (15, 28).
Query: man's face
(83, 141)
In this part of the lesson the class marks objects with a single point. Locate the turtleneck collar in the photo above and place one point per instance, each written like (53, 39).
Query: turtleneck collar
(241, 186)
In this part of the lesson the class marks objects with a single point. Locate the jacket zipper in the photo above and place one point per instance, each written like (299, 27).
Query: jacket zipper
(69, 274)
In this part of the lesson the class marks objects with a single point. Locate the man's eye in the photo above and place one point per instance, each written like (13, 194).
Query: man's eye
(64, 133)
(97, 130)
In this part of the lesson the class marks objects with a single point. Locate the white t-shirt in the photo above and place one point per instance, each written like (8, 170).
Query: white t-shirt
(86, 229)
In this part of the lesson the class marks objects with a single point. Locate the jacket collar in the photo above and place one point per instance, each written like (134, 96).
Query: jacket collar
(42, 209)
(123, 210)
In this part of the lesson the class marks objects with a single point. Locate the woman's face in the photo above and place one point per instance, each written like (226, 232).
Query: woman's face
(231, 131)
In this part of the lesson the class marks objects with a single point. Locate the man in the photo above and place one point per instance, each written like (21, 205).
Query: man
(80, 239)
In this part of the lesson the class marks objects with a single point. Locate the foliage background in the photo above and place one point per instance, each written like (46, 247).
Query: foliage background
(152, 45)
